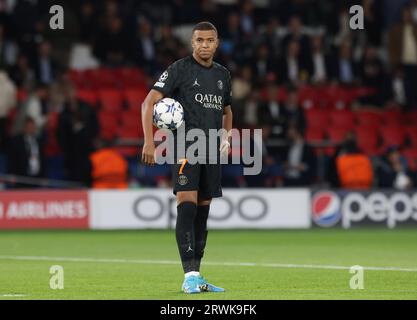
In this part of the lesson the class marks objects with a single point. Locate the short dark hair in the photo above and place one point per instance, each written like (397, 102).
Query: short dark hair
(204, 26)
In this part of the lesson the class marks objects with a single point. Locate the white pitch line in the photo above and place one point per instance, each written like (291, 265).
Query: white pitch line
(13, 295)
(231, 264)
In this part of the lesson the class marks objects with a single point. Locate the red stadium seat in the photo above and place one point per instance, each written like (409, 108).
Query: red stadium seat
(335, 135)
(134, 98)
(411, 156)
(367, 140)
(314, 134)
(132, 121)
(109, 122)
(392, 118)
(110, 100)
(130, 78)
(309, 97)
(128, 133)
(78, 78)
(105, 118)
(392, 135)
(361, 92)
(411, 117)
(368, 118)
(335, 97)
(101, 78)
(342, 119)
(281, 94)
(131, 118)
(317, 118)
(108, 132)
(133, 131)
(88, 96)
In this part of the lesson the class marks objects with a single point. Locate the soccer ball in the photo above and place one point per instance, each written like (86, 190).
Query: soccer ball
(168, 114)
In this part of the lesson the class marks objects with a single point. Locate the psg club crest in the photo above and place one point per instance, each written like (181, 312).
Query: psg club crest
(182, 180)
(220, 84)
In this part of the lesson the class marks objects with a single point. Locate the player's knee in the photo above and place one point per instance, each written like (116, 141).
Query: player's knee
(186, 196)
(204, 202)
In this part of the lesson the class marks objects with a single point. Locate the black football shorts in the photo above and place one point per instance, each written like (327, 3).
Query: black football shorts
(204, 178)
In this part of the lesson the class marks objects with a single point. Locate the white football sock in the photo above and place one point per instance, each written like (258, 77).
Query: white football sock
(192, 273)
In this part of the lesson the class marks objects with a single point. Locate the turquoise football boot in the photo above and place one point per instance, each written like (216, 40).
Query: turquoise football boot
(208, 287)
(191, 285)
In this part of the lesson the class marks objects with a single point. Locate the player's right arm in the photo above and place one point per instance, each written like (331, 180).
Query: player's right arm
(164, 87)
(148, 151)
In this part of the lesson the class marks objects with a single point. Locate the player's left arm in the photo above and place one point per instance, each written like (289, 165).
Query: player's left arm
(227, 126)
(227, 118)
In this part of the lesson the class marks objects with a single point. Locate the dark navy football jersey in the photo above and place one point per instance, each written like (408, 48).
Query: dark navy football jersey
(203, 92)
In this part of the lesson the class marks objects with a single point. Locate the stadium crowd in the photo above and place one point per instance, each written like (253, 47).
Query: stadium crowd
(337, 106)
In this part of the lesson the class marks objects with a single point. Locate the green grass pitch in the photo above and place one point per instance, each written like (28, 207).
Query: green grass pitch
(273, 264)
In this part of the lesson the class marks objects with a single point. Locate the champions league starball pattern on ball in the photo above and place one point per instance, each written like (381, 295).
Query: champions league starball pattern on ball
(168, 114)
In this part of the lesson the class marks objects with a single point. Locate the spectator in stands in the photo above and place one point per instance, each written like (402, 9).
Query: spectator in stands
(232, 37)
(342, 24)
(247, 20)
(269, 37)
(112, 46)
(414, 10)
(241, 83)
(271, 173)
(344, 68)
(22, 73)
(167, 46)
(241, 87)
(318, 61)
(272, 113)
(109, 168)
(295, 34)
(263, 64)
(293, 113)
(45, 66)
(373, 21)
(354, 169)
(392, 171)
(402, 41)
(8, 50)
(371, 69)
(292, 68)
(300, 162)
(371, 72)
(402, 50)
(7, 103)
(209, 12)
(88, 22)
(396, 88)
(144, 50)
(31, 106)
(251, 107)
(77, 130)
(26, 153)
